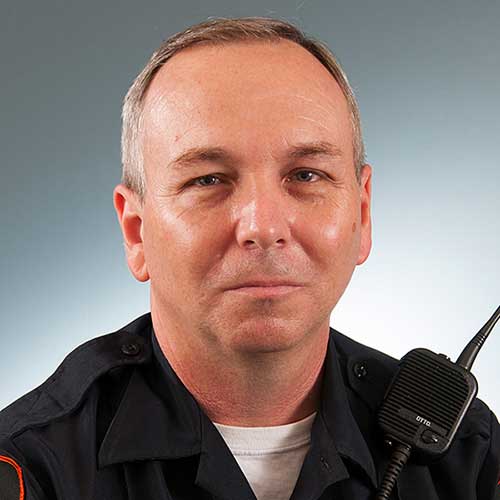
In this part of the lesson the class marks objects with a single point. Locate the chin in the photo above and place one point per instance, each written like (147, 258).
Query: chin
(265, 335)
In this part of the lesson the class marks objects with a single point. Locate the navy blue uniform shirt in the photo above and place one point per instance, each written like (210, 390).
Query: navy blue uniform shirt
(114, 422)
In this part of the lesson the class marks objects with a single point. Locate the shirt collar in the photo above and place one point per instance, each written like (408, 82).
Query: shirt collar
(158, 418)
(338, 416)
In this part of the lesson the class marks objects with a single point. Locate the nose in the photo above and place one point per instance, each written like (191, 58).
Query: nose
(264, 219)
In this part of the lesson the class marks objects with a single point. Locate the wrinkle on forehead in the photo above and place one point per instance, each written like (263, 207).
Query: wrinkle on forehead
(322, 103)
(159, 104)
(180, 102)
(316, 122)
(180, 86)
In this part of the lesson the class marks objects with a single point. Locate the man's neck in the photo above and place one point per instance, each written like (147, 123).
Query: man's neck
(264, 390)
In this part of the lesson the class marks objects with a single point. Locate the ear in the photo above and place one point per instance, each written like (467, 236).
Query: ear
(366, 218)
(130, 216)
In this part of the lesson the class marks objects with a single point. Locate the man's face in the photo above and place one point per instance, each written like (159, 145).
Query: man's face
(248, 208)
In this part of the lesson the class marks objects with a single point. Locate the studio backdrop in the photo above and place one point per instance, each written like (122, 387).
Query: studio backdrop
(426, 75)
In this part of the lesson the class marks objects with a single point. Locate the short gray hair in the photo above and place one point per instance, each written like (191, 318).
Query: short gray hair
(217, 31)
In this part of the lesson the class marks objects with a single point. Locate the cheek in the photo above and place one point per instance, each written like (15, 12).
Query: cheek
(181, 245)
(337, 236)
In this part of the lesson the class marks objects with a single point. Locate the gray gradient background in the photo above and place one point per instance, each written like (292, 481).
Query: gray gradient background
(426, 75)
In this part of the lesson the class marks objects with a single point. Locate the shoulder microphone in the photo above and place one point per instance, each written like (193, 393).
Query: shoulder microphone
(425, 404)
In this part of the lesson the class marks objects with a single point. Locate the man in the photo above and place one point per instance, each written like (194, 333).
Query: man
(246, 203)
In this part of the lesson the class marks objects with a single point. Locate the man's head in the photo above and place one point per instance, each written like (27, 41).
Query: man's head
(249, 151)
(221, 32)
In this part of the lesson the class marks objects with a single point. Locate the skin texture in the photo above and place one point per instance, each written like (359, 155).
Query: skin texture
(204, 227)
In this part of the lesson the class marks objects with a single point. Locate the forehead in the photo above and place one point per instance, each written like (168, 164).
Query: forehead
(205, 92)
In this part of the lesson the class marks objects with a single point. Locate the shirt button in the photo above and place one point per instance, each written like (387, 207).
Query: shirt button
(325, 463)
(131, 349)
(359, 370)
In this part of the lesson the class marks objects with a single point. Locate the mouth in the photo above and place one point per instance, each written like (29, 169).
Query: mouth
(266, 291)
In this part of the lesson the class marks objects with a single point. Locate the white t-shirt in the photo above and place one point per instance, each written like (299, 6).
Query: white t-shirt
(270, 457)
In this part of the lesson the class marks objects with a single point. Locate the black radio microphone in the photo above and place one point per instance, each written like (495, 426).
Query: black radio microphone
(425, 404)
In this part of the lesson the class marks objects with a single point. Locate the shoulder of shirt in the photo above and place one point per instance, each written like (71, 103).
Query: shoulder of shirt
(349, 348)
(377, 373)
(65, 389)
(367, 371)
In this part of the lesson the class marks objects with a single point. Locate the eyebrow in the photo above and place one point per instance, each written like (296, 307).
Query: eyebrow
(220, 155)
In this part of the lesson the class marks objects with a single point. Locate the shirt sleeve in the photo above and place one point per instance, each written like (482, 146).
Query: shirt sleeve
(16, 481)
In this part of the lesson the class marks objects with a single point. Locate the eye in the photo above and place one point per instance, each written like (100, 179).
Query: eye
(304, 176)
(200, 181)
(307, 177)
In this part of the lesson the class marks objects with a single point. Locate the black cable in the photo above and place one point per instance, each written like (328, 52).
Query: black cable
(399, 457)
(470, 352)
